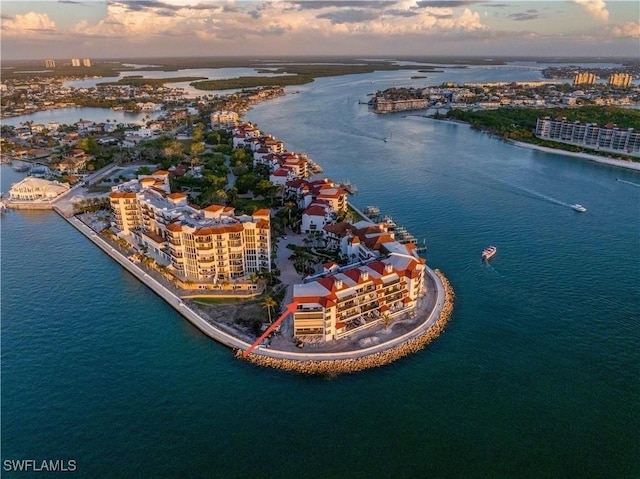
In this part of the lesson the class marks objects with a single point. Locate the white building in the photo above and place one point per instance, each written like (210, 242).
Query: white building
(37, 189)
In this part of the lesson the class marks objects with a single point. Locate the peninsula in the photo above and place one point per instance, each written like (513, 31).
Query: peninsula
(270, 237)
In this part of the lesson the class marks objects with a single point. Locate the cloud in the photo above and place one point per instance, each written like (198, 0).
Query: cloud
(628, 30)
(595, 8)
(242, 20)
(350, 15)
(28, 24)
(446, 3)
(320, 4)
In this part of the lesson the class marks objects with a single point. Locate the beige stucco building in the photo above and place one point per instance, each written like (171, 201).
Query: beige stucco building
(358, 297)
(208, 247)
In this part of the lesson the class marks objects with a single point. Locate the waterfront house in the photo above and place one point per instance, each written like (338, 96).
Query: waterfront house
(316, 216)
(37, 189)
(364, 240)
(281, 176)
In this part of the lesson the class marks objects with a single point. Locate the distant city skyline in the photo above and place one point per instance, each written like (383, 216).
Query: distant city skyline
(161, 28)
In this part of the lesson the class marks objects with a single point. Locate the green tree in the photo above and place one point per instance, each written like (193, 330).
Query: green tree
(89, 145)
(269, 303)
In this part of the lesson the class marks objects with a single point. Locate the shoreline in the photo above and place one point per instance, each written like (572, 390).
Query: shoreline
(333, 367)
(630, 165)
(313, 363)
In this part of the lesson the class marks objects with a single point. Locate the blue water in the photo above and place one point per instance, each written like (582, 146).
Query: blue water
(69, 116)
(537, 374)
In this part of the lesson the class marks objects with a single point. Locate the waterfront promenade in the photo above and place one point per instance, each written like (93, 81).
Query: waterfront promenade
(304, 362)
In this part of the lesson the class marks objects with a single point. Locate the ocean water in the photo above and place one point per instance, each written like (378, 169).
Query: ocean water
(537, 374)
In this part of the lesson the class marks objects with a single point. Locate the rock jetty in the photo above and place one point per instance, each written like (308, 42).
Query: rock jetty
(345, 366)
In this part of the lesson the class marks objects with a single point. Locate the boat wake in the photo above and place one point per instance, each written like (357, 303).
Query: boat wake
(542, 196)
(506, 187)
(628, 182)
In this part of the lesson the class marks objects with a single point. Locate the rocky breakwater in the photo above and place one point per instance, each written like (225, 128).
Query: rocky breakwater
(352, 365)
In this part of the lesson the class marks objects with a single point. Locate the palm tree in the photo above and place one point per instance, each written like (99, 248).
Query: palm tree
(386, 319)
(269, 303)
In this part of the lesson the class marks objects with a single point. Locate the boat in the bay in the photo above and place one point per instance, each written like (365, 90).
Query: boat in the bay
(489, 253)
(579, 207)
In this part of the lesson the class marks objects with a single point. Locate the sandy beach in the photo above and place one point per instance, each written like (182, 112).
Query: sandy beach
(631, 165)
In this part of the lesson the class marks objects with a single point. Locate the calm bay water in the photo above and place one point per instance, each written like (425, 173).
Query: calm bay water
(537, 374)
(69, 116)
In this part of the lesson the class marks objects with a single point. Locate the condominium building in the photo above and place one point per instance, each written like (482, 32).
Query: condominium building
(584, 78)
(224, 119)
(86, 62)
(347, 301)
(75, 62)
(50, 63)
(204, 247)
(590, 135)
(620, 80)
(217, 246)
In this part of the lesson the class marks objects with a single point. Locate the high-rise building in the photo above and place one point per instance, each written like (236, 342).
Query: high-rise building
(620, 80)
(590, 135)
(50, 63)
(86, 62)
(584, 78)
(75, 62)
(206, 247)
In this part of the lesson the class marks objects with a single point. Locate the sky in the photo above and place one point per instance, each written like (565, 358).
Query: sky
(61, 29)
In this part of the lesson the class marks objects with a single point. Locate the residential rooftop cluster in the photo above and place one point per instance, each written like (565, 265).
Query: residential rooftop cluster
(498, 94)
(213, 248)
(24, 96)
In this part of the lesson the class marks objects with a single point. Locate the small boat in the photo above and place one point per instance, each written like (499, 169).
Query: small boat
(579, 207)
(489, 253)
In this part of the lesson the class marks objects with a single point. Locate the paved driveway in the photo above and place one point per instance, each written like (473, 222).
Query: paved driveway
(288, 275)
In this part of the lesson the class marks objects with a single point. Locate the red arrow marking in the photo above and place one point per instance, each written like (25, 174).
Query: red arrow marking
(291, 307)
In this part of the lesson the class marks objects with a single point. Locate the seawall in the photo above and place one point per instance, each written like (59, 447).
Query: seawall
(172, 299)
(303, 363)
(409, 343)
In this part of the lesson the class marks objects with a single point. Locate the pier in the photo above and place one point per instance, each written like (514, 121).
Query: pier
(400, 233)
